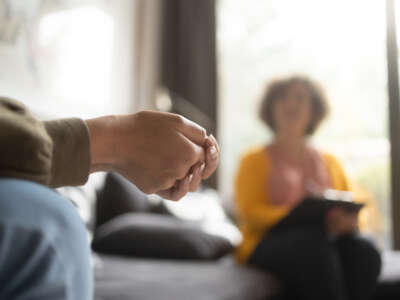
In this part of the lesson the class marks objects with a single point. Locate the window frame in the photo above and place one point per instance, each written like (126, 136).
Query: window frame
(394, 118)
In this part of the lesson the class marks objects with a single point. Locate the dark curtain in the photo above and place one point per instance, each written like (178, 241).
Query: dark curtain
(188, 60)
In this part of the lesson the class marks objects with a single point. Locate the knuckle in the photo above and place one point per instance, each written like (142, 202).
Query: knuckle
(193, 154)
(185, 160)
(141, 114)
(191, 157)
(178, 119)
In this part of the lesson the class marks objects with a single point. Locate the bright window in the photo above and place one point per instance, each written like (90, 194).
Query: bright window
(76, 50)
(69, 59)
(341, 44)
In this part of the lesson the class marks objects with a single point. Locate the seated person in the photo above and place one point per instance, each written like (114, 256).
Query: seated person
(330, 261)
(44, 252)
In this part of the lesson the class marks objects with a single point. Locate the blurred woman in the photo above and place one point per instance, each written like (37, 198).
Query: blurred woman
(329, 261)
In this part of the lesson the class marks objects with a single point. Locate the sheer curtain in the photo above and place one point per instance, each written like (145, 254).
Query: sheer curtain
(146, 61)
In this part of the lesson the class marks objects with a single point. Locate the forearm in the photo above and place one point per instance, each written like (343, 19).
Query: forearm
(152, 149)
(81, 148)
(102, 146)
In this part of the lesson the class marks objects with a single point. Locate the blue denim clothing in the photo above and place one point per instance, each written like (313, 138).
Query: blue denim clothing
(44, 252)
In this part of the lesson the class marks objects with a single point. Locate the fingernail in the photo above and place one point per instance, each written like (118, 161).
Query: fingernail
(213, 152)
(190, 177)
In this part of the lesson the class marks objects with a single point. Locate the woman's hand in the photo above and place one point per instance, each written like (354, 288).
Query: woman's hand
(340, 221)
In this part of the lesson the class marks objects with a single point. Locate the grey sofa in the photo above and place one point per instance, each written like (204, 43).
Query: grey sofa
(149, 279)
(134, 278)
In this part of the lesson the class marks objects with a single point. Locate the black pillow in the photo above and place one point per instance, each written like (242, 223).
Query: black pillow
(158, 236)
(117, 197)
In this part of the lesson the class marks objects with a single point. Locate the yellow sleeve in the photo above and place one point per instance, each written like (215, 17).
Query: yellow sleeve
(250, 194)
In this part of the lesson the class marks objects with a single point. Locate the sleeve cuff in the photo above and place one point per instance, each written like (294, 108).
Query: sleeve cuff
(71, 151)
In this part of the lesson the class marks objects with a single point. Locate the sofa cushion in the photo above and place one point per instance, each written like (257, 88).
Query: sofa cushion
(158, 236)
(84, 198)
(117, 197)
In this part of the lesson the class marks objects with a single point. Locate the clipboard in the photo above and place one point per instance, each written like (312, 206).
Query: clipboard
(312, 210)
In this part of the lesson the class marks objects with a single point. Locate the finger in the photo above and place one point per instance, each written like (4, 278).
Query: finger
(197, 153)
(166, 194)
(212, 142)
(197, 176)
(193, 132)
(176, 192)
(169, 192)
(313, 188)
(183, 188)
(168, 183)
(212, 159)
(200, 154)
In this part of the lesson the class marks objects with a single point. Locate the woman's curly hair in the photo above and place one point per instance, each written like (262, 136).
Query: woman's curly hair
(278, 87)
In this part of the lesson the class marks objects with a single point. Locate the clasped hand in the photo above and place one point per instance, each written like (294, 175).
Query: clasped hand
(160, 153)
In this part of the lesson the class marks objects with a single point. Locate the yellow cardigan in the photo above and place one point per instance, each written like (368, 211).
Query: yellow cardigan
(255, 214)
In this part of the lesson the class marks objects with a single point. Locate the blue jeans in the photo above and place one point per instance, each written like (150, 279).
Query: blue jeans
(44, 252)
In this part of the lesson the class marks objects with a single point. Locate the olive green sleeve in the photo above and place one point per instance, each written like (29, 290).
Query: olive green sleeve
(71, 152)
(54, 153)
(26, 148)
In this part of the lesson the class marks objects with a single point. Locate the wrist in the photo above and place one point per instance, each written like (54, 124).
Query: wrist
(102, 144)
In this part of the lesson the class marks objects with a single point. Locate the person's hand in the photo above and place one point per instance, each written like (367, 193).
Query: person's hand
(340, 221)
(160, 152)
(201, 170)
(313, 189)
(285, 187)
(212, 157)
